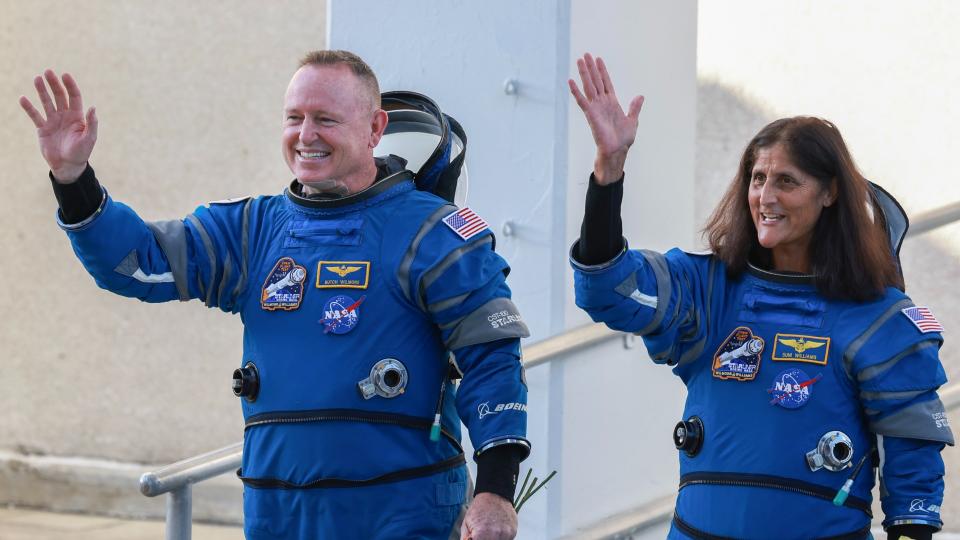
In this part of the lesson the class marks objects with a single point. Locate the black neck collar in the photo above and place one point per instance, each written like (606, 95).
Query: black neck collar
(295, 194)
(793, 278)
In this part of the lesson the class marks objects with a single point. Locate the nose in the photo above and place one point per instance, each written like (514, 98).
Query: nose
(768, 194)
(308, 132)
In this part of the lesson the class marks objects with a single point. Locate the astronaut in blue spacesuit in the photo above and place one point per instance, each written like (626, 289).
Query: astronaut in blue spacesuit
(361, 297)
(805, 363)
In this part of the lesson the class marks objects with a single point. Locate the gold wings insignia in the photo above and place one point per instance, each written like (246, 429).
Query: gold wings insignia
(343, 270)
(801, 345)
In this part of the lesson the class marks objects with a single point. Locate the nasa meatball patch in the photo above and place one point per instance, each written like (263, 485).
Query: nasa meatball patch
(341, 314)
(738, 358)
(792, 388)
(283, 288)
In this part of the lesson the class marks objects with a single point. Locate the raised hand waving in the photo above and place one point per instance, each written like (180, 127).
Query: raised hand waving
(66, 135)
(613, 131)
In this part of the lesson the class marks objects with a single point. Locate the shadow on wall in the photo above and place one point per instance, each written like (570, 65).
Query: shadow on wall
(727, 118)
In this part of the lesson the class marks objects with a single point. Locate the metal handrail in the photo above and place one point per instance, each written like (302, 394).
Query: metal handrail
(176, 479)
(934, 219)
(567, 342)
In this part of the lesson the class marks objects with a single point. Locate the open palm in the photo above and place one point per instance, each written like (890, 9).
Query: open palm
(613, 130)
(66, 135)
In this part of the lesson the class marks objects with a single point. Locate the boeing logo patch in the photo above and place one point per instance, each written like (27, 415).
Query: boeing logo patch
(343, 274)
(791, 388)
(920, 505)
(283, 288)
(484, 408)
(341, 314)
(798, 348)
(738, 357)
(465, 223)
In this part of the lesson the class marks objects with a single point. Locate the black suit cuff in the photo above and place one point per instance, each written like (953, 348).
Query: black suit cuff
(497, 470)
(78, 200)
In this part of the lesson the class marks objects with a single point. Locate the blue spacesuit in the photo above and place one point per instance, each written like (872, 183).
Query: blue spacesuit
(787, 393)
(356, 312)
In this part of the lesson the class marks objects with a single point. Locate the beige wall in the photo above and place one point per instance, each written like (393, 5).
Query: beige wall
(189, 97)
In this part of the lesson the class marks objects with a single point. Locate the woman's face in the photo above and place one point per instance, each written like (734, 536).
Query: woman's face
(785, 204)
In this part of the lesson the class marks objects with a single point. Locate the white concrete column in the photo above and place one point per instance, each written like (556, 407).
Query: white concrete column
(500, 68)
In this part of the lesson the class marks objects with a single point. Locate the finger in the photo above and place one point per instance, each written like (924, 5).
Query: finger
(43, 95)
(577, 95)
(32, 112)
(58, 93)
(92, 122)
(588, 87)
(635, 105)
(594, 73)
(605, 76)
(73, 92)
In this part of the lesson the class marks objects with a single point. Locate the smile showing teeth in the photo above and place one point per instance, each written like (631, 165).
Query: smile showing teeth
(313, 155)
(770, 218)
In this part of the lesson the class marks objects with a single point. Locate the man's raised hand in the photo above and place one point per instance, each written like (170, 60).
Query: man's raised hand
(613, 131)
(66, 135)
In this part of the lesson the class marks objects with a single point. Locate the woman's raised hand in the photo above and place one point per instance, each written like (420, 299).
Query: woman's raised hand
(66, 135)
(613, 131)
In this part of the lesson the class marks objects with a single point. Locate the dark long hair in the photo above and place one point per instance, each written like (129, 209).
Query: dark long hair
(850, 253)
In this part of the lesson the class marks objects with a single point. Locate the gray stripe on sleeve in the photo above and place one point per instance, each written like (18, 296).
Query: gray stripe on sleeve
(429, 277)
(172, 237)
(664, 287)
(694, 351)
(211, 256)
(245, 253)
(227, 274)
(437, 307)
(876, 370)
(403, 271)
(857, 343)
(927, 421)
(129, 265)
(899, 396)
(628, 287)
(497, 319)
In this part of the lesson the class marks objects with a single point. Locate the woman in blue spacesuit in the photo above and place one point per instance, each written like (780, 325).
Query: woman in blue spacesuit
(806, 365)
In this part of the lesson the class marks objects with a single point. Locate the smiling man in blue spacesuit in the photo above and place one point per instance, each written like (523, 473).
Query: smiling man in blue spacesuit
(361, 298)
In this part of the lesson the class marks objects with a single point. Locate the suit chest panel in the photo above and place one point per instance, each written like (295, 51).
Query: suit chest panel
(778, 350)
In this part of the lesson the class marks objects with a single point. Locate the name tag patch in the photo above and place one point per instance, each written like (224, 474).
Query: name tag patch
(738, 358)
(343, 274)
(283, 288)
(798, 348)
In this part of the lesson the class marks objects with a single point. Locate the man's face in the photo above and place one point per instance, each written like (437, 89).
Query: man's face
(330, 127)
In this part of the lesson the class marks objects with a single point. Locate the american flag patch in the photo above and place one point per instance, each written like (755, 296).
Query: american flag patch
(923, 319)
(465, 223)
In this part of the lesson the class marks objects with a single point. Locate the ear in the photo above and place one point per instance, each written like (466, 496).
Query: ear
(830, 194)
(377, 126)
